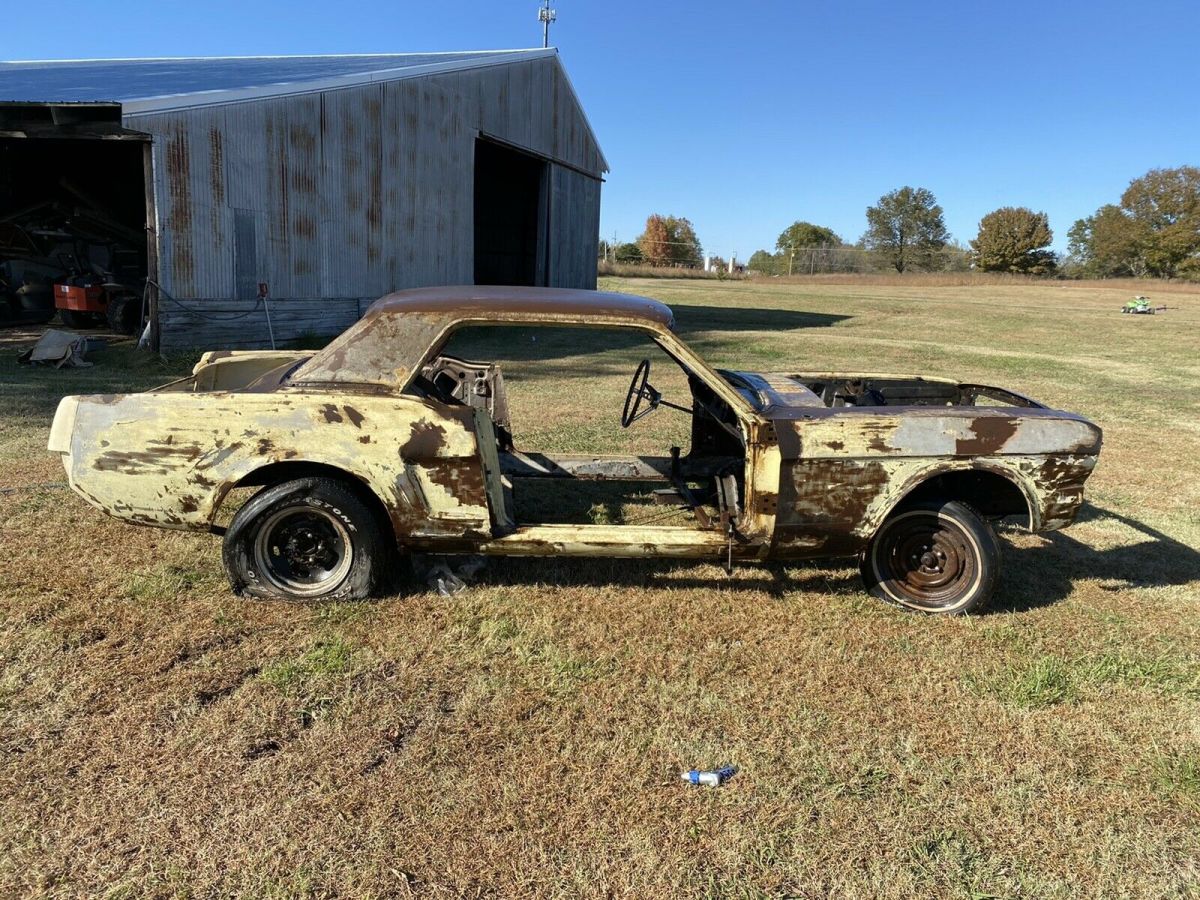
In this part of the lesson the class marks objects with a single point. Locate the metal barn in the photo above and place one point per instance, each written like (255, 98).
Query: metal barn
(325, 182)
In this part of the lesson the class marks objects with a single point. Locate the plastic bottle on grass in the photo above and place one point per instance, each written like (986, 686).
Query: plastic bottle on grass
(710, 779)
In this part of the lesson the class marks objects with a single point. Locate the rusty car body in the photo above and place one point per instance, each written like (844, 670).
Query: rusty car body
(904, 472)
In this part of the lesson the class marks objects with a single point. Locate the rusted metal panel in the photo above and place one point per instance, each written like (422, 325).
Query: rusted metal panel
(349, 194)
(168, 459)
(195, 220)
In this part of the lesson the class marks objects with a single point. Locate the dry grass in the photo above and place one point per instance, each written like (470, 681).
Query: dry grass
(631, 270)
(161, 738)
(1149, 286)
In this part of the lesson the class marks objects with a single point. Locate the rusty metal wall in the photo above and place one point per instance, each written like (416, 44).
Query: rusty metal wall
(336, 198)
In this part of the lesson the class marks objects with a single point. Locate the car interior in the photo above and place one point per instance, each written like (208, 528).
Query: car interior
(696, 483)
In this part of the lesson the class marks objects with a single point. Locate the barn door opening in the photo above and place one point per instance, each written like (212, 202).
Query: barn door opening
(74, 213)
(510, 216)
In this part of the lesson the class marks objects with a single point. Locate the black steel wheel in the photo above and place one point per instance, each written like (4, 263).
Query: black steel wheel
(933, 557)
(306, 540)
(123, 313)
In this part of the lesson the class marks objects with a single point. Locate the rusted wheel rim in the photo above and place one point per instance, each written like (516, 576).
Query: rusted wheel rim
(927, 559)
(303, 550)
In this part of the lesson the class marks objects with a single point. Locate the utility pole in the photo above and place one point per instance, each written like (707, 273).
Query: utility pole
(546, 15)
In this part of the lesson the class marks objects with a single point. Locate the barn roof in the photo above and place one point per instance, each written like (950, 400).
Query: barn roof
(152, 85)
(145, 85)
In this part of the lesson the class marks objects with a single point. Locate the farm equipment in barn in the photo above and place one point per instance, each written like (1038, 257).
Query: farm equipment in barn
(73, 260)
(26, 280)
(88, 301)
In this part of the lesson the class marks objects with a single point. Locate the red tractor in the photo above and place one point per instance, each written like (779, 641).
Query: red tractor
(88, 301)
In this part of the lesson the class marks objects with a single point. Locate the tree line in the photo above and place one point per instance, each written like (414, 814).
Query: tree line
(1154, 231)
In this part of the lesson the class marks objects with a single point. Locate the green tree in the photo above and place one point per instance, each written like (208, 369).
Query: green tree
(1109, 243)
(629, 254)
(1165, 204)
(1014, 239)
(670, 240)
(766, 263)
(806, 234)
(803, 236)
(906, 228)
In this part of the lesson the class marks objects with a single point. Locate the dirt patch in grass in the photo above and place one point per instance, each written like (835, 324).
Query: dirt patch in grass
(159, 737)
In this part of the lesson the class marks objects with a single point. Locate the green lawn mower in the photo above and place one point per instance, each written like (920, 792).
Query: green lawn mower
(1140, 306)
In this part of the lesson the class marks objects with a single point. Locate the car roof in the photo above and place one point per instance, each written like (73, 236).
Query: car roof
(387, 344)
(480, 301)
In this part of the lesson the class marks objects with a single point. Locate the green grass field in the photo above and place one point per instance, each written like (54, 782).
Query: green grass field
(159, 737)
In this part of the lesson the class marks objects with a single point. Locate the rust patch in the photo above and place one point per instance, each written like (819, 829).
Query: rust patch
(162, 459)
(1061, 480)
(304, 144)
(822, 501)
(424, 441)
(264, 446)
(305, 226)
(991, 434)
(835, 445)
(365, 439)
(216, 165)
(463, 478)
(189, 504)
(878, 444)
(330, 413)
(766, 503)
(355, 417)
(179, 172)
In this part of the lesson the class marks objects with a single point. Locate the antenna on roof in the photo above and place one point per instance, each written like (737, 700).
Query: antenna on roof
(546, 15)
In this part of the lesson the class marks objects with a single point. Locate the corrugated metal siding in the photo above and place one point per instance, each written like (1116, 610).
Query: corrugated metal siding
(574, 225)
(339, 197)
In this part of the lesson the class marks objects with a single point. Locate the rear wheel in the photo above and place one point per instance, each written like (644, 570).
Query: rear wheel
(933, 557)
(123, 313)
(309, 539)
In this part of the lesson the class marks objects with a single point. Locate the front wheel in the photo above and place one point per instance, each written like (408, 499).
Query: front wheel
(933, 557)
(124, 313)
(309, 539)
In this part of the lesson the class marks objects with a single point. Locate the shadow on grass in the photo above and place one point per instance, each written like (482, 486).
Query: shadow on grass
(1039, 576)
(690, 320)
(1032, 577)
(773, 578)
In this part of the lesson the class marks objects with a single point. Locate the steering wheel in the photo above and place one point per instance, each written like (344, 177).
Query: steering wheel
(639, 390)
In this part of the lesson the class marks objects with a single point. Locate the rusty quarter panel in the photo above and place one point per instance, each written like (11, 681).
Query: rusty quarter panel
(169, 459)
(843, 471)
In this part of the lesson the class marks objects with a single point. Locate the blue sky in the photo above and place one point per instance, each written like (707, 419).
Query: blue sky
(746, 116)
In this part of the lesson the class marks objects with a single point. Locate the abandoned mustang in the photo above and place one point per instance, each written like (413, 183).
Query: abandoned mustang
(384, 441)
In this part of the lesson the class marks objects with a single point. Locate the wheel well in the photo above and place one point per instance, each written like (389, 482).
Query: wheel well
(279, 472)
(992, 495)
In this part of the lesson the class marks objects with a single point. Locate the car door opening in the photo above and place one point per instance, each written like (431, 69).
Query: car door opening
(528, 427)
